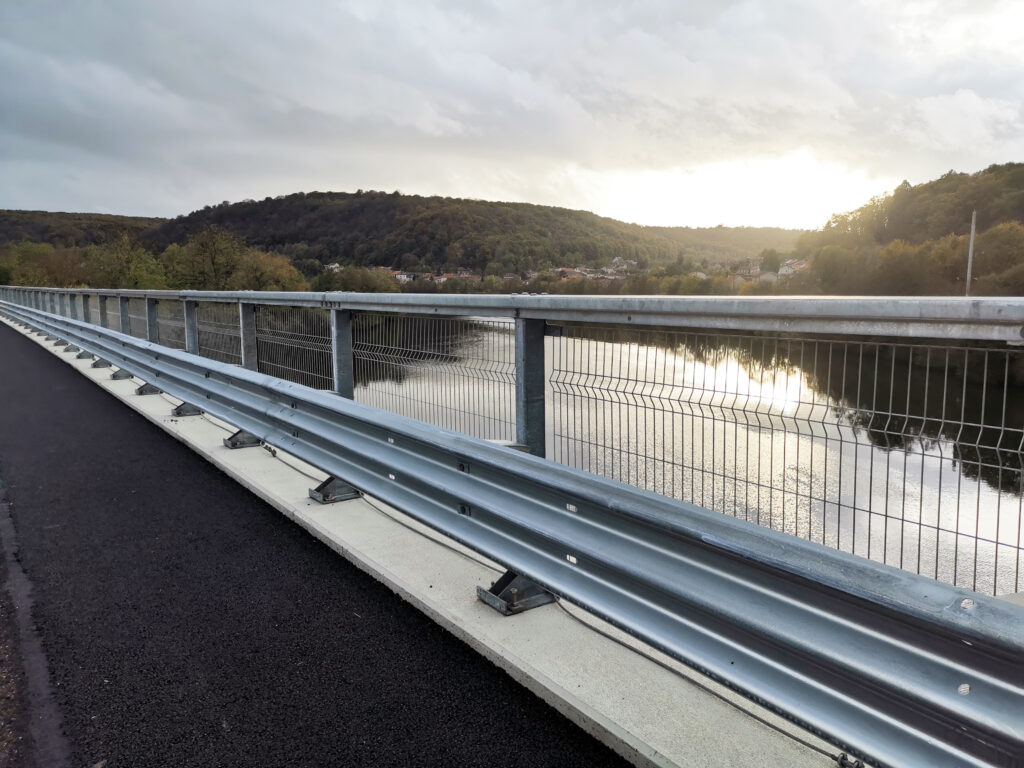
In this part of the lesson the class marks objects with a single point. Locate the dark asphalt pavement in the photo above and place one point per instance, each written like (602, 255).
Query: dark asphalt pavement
(187, 623)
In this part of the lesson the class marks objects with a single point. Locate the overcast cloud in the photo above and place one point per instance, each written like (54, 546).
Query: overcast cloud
(659, 111)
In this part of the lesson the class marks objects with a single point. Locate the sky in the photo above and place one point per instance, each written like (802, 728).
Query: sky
(662, 112)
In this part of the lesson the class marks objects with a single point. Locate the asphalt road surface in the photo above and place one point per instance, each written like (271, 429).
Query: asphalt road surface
(186, 623)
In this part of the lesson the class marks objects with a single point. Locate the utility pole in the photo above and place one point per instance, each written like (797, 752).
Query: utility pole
(970, 254)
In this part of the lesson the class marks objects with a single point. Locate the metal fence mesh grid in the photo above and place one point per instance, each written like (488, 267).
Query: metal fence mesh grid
(908, 454)
(457, 373)
(170, 323)
(137, 317)
(220, 337)
(113, 315)
(294, 343)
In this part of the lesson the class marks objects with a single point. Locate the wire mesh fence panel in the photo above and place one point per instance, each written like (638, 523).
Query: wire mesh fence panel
(457, 373)
(170, 322)
(220, 337)
(137, 317)
(909, 454)
(113, 314)
(294, 343)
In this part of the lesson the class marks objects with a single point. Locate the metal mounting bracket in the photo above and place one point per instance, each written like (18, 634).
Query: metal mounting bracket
(50, 338)
(71, 348)
(186, 409)
(60, 343)
(100, 363)
(148, 389)
(242, 439)
(120, 374)
(331, 490)
(83, 355)
(513, 594)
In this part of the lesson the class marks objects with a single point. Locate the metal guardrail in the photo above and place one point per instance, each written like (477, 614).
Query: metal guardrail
(896, 668)
(892, 428)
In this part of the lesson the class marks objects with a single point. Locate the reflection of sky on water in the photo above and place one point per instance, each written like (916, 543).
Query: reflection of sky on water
(776, 439)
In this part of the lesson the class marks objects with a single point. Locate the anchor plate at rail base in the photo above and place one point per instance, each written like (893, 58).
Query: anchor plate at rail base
(120, 374)
(148, 389)
(100, 363)
(242, 439)
(83, 355)
(186, 409)
(513, 594)
(331, 490)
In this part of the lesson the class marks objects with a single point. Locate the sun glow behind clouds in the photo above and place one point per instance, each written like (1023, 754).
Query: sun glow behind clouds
(796, 191)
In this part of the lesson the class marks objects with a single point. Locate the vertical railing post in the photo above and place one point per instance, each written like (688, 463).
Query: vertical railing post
(530, 384)
(341, 352)
(62, 300)
(191, 327)
(103, 310)
(247, 329)
(73, 305)
(124, 309)
(152, 326)
(86, 312)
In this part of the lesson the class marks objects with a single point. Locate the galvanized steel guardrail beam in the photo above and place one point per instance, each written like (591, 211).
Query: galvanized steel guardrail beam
(942, 317)
(896, 668)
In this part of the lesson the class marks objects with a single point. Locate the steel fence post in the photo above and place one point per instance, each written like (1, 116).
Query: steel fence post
(124, 311)
(103, 310)
(341, 352)
(530, 384)
(73, 305)
(247, 329)
(152, 326)
(62, 301)
(191, 327)
(86, 314)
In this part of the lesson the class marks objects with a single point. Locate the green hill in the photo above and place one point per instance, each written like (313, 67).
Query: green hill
(915, 240)
(443, 234)
(68, 230)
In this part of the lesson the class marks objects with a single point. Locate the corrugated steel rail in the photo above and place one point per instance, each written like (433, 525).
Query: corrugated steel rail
(897, 669)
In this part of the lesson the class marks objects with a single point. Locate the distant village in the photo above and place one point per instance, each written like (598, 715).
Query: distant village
(620, 269)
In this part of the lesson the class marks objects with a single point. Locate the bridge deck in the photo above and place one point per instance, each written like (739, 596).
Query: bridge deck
(184, 620)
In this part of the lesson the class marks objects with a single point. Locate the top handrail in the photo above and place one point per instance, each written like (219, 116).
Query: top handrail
(933, 317)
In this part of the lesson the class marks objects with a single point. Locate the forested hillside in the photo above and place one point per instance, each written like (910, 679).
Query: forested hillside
(910, 242)
(915, 241)
(66, 230)
(437, 234)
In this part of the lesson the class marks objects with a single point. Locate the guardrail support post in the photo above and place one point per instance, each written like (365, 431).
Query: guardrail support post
(191, 327)
(513, 593)
(530, 384)
(86, 314)
(331, 490)
(242, 439)
(124, 306)
(72, 305)
(103, 311)
(247, 328)
(152, 326)
(341, 352)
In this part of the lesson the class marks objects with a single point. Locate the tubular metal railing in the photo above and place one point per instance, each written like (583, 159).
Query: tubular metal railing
(889, 428)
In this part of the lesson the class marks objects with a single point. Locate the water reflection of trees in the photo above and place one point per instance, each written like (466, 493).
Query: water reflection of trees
(899, 395)
(391, 347)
